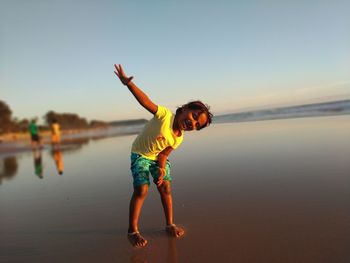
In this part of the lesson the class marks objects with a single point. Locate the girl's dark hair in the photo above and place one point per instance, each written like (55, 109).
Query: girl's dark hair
(200, 106)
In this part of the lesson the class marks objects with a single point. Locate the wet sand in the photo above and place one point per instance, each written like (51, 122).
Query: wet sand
(271, 191)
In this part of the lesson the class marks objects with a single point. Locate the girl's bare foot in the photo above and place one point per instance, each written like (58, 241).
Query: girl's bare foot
(136, 239)
(174, 230)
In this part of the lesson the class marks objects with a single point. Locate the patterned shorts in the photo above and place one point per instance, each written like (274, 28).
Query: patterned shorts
(141, 167)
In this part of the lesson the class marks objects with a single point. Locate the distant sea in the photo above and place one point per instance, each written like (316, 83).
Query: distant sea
(340, 107)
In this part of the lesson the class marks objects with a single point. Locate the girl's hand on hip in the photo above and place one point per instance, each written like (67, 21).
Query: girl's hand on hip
(161, 172)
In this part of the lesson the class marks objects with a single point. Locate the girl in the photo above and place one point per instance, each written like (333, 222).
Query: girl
(150, 152)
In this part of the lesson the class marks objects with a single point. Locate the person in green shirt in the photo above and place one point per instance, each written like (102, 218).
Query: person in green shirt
(34, 133)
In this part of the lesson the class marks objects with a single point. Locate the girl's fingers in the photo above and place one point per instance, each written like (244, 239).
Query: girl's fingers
(121, 69)
(120, 72)
(116, 67)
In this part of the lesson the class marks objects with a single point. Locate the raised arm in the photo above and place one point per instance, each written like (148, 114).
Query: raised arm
(140, 96)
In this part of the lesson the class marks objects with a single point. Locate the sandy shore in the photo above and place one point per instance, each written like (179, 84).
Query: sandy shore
(271, 192)
(18, 142)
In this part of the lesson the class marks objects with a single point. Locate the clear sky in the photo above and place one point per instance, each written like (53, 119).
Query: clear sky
(233, 55)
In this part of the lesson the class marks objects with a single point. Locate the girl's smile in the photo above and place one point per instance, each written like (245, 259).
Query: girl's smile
(189, 120)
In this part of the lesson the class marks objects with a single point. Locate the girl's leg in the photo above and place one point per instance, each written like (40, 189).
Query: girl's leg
(167, 202)
(136, 202)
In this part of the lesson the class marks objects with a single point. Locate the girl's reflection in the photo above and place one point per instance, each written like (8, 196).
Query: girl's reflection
(172, 250)
(145, 255)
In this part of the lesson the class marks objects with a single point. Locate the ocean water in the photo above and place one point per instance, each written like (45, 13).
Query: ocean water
(267, 191)
(333, 108)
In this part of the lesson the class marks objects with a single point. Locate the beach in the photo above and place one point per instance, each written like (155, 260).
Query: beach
(265, 191)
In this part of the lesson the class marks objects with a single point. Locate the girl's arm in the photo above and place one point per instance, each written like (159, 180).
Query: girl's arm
(162, 158)
(140, 96)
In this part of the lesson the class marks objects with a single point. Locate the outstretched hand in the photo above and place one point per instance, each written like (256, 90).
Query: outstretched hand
(121, 74)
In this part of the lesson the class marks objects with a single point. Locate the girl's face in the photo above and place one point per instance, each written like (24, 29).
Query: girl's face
(189, 120)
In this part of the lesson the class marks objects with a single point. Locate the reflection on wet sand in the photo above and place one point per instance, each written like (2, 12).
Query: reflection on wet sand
(172, 250)
(8, 168)
(56, 154)
(151, 253)
(9, 165)
(138, 256)
(274, 192)
(38, 163)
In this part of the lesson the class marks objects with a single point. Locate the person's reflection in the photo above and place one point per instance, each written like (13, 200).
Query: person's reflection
(142, 255)
(38, 164)
(172, 250)
(138, 256)
(8, 168)
(57, 156)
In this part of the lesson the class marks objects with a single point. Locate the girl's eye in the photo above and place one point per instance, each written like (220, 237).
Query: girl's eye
(195, 116)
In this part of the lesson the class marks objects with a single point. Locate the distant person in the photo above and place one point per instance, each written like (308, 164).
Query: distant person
(57, 156)
(55, 134)
(34, 133)
(150, 152)
(38, 164)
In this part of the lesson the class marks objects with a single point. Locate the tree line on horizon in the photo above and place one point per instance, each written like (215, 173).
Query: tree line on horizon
(66, 120)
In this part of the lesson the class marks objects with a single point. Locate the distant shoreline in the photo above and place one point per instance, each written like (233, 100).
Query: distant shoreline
(11, 143)
(333, 108)
(45, 135)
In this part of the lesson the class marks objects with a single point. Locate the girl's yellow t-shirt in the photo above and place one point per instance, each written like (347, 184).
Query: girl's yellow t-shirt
(157, 135)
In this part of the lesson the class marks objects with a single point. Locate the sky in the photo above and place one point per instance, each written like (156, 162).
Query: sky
(233, 55)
